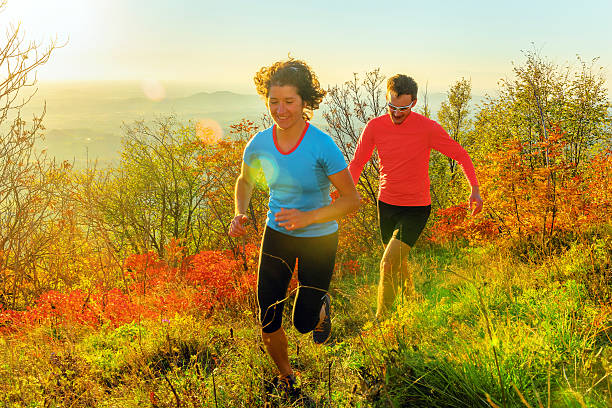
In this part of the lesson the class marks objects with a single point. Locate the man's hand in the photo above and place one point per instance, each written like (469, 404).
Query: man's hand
(293, 219)
(475, 201)
(236, 227)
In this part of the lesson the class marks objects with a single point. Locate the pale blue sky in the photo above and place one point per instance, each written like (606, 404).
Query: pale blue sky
(221, 44)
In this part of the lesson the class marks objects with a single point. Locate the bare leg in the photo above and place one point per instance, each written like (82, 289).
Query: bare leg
(406, 274)
(277, 345)
(393, 269)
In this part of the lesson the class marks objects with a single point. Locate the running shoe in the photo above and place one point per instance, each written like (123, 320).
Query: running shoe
(323, 329)
(284, 387)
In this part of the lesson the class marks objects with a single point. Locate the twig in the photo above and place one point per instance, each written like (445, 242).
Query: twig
(214, 387)
(243, 253)
(566, 380)
(490, 401)
(520, 394)
(176, 397)
(373, 365)
(538, 397)
(594, 385)
(199, 373)
(486, 316)
(329, 383)
(489, 332)
(548, 384)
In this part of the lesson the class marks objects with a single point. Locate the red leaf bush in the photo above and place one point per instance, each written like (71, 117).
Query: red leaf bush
(153, 288)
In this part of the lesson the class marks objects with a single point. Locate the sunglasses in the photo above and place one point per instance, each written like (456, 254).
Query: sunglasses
(399, 108)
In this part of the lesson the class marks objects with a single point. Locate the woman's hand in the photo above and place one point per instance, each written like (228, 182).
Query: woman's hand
(293, 219)
(236, 227)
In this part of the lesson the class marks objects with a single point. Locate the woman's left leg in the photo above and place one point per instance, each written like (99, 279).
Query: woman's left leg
(315, 267)
(276, 346)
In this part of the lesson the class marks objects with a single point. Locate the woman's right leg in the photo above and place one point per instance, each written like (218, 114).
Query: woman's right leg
(276, 264)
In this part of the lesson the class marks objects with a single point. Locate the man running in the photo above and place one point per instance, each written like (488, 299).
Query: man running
(404, 140)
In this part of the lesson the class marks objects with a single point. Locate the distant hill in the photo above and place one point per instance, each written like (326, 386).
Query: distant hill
(84, 119)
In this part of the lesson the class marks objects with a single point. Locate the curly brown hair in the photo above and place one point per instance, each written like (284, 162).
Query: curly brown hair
(296, 73)
(402, 85)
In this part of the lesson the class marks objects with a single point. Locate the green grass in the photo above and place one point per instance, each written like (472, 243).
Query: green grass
(485, 330)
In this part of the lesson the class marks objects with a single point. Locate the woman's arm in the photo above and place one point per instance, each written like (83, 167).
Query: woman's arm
(347, 202)
(242, 196)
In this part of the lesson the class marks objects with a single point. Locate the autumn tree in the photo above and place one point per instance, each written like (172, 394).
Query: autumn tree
(29, 194)
(543, 100)
(454, 117)
(154, 194)
(539, 140)
(542, 96)
(173, 182)
(425, 108)
(585, 116)
(348, 107)
(524, 208)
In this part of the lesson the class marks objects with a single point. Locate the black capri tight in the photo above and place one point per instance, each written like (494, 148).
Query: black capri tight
(276, 264)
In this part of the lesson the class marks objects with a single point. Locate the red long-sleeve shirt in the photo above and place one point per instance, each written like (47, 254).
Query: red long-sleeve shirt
(403, 154)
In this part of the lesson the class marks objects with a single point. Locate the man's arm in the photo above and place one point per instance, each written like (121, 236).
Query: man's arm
(442, 142)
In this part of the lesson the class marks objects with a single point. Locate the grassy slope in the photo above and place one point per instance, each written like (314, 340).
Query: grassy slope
(480, 320)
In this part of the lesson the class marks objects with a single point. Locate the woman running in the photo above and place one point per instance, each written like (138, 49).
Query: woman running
(299, 163)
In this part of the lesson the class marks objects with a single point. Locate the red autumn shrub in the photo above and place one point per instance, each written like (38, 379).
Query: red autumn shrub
(455, 223)
(154, 289)
(533, 192)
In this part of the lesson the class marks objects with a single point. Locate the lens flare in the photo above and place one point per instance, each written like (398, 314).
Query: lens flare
(209, 131)
(153, 90)
(270, 169)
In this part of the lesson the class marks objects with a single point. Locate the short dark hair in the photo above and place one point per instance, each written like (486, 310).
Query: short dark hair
(402, 85)
(292, 72)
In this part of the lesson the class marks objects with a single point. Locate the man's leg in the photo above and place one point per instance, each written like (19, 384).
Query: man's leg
(393, 269)
(277, 346)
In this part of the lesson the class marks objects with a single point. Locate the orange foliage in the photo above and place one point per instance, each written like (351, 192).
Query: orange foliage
(155, 288)
(456, 223)
(533, 191)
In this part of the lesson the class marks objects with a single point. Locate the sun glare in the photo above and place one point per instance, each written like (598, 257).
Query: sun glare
(153, 90)
(209, 131)
(41, 19)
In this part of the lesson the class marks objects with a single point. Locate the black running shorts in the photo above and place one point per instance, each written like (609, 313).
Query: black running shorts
(316, 257)
(402, 222)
